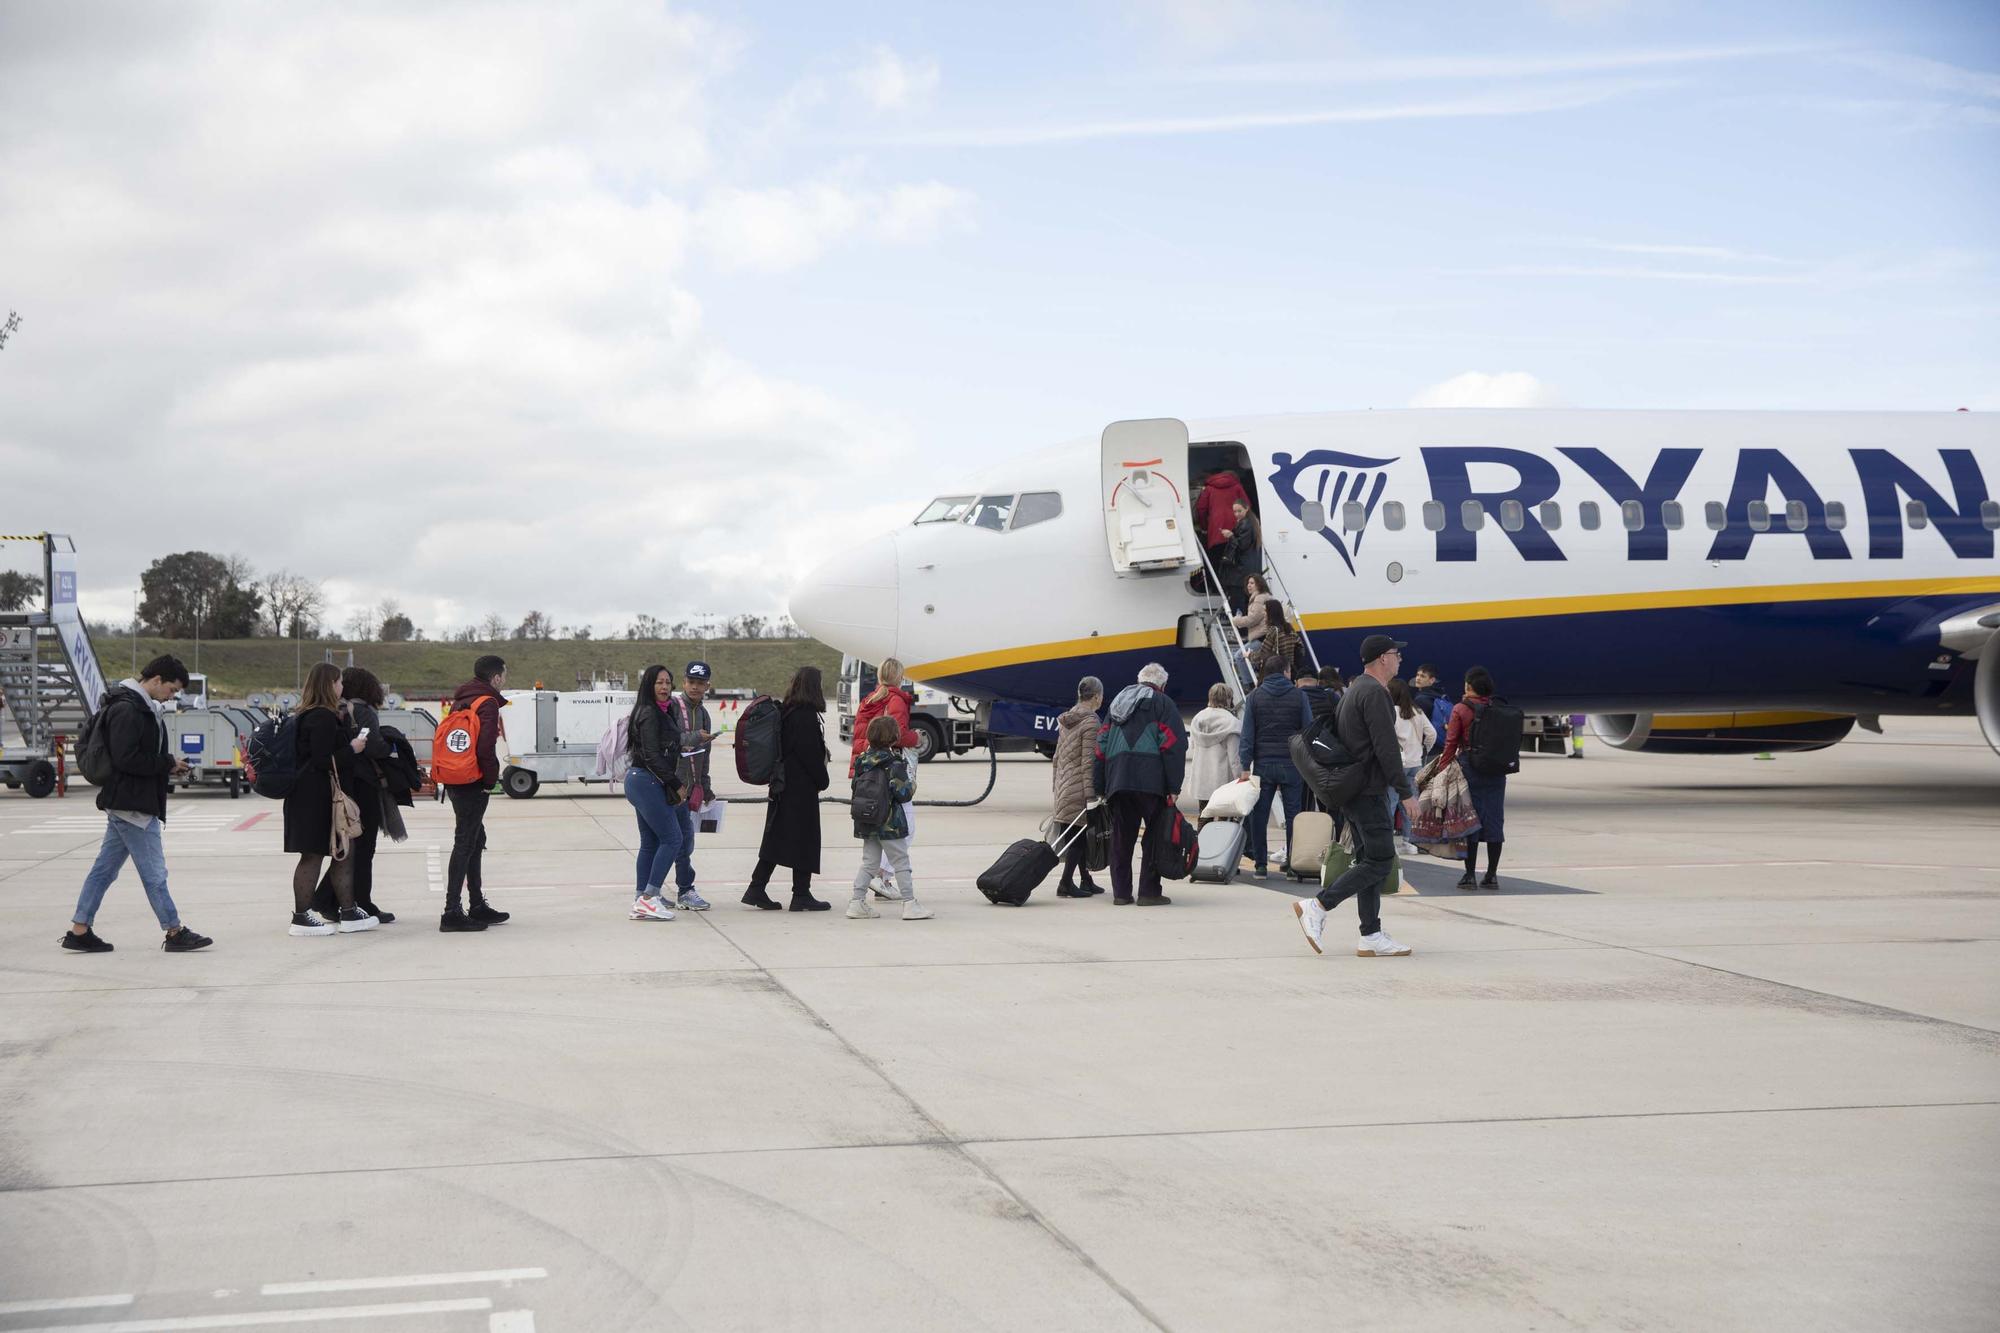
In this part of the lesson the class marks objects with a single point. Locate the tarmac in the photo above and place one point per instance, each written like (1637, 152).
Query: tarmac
(1723, 1052)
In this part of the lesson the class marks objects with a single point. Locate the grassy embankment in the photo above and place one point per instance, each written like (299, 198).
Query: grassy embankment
(239, 667)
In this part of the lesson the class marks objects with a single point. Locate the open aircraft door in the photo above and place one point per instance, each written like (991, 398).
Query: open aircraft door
(1147, 518)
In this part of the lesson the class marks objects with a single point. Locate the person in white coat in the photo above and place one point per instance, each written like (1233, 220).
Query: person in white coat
(1212, 746)
(1416, 735)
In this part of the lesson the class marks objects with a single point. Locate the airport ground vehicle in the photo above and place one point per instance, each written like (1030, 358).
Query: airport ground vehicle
(210, 741)
(552, 735)
(1700, 582)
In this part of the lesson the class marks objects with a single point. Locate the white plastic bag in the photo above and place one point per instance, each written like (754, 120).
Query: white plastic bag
(1233, 800)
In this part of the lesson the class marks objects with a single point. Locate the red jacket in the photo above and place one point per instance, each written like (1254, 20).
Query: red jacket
(897, 705)
(1459, 730)
(1213, 508)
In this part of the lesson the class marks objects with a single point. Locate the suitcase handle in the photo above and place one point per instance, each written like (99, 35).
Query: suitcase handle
(1063, 841)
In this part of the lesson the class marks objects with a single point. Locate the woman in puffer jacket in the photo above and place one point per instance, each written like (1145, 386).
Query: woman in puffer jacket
(1076, 745)
(1212, 746)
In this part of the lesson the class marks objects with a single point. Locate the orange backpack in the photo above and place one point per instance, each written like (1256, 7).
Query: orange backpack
(455, 748)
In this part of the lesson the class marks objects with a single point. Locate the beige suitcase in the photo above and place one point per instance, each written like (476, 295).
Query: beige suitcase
(1312, 834)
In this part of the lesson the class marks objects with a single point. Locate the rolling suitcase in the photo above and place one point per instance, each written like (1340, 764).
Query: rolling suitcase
(1312, 834)
(1221, 854)
(1023, 866)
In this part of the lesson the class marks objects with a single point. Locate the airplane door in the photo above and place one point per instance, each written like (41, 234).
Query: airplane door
(1147, 519)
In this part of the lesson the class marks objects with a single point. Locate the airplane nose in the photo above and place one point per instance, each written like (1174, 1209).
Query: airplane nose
(850, 601)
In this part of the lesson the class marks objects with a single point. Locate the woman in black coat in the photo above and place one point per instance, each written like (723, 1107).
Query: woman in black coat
(360, 695)
(325, 749)
(791, 820)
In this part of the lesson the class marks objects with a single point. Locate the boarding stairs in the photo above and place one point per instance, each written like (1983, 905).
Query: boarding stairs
(49, 671)
(1225, 641)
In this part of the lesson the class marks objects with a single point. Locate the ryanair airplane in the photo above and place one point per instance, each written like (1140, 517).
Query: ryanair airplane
(1698, 581)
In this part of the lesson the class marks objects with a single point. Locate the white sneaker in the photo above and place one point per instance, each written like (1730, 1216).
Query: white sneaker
(310, 923)
(916, 911)
(1379, 945)
(1405, 848)
(1312, 920)
(883, 889)
(353, 919)
(651, 908)
(859, 910)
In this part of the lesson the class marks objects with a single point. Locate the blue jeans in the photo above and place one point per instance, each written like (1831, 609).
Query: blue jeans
(142, 846)
(684, 862)
(659, 829)
(1276, 777)
(1399, 818)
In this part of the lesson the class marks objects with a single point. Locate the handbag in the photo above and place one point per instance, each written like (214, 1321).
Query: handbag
(1233, 800)
(1097, 838)
(346, 821)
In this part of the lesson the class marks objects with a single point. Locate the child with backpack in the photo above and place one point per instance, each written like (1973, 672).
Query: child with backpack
(882, 787)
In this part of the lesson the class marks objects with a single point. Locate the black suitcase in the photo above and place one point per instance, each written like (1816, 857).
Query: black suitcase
(1009, 881)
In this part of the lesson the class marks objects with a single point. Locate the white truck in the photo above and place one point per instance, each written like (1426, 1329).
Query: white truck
(552, 736)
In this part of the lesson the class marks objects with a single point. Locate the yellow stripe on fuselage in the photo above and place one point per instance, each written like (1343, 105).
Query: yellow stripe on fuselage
(1727, 721)
(1399, 616)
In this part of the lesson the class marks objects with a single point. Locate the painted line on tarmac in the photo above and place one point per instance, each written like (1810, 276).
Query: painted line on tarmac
(64, 1303)
(434, 868)
(256, 1319)
(508, 1275)
(251, 821)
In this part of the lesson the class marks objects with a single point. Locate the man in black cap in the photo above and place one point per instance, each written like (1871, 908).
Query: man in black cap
(697, 736)
(1366, 723)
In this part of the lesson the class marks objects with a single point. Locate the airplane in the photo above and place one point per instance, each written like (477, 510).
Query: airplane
(1698, 582)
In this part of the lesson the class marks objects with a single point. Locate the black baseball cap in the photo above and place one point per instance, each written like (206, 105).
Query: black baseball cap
(1375, 645)
(698, 671)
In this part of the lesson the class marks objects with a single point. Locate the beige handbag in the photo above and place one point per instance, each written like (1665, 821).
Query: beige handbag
(346, 820)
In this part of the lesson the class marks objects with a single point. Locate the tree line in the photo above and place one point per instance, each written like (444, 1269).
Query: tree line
(197, 594)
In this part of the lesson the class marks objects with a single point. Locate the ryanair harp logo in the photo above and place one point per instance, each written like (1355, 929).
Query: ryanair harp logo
(1335, 480)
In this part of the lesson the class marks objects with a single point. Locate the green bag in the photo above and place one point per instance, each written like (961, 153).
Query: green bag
(1340, 857)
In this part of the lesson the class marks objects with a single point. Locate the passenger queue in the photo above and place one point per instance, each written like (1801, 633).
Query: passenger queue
(1354, 750)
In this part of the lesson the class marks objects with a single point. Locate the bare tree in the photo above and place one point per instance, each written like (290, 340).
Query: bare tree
(361, 625)
(535, 625)
(645, 627)
(294, 603)
(493, 628)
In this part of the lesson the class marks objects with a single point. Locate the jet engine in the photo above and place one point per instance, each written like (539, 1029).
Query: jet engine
(1986, 691)
(1723, 733)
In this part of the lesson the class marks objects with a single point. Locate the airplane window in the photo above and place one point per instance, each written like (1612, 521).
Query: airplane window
(1836, 515)
(1670, 514)
(1392, 515)
(1633, 514)
(1586, 515)
(1918, 518)
(1471, 515)
(1433, 516)
(1717, 516)
(990, 511)
(1037, 507)
(1512, 517)
(1353, 517)
(1989, 514)
(945, 509)
(1760, 516)
(1551, 514)
(1795, 515)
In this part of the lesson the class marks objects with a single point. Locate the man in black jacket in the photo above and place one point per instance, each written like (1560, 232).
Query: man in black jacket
(468, 804)
(1366, 724)
(1140, 761)
(134, 803)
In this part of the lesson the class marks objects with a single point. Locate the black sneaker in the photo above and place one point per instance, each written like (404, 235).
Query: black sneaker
(451, 922)
(184, 941)
(1154, 900)
(86, 942)
(384, 917)
(352, 919)
(1466, 881)
(487, 914)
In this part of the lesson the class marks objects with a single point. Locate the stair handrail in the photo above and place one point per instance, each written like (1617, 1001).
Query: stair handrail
(1211, 614)
(1277, 576)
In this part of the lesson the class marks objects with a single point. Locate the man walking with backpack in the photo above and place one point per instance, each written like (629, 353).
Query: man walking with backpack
(123, 751)
(1366, 727)
(1141, 759)
(697, 787)
(465, 764)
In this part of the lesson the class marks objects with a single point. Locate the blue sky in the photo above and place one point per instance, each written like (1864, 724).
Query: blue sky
(625, 265)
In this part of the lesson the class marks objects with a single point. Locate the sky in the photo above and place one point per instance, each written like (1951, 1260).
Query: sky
(617, 307)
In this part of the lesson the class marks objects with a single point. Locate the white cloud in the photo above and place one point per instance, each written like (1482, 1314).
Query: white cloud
(1476, 388)
(888, 82)
(397, 297)
(771, 230)
(1510, 102)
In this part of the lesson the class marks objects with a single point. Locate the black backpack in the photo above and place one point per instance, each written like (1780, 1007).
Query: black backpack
(274, 756)
(874, 801)
(93, 745)
(1494, 747)
(758, 742)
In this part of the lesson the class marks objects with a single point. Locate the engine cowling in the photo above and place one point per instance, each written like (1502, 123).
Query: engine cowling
(1758, 732)
(1986, 691)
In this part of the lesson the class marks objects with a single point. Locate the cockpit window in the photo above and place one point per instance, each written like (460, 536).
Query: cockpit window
(945, 509)
(990, 511)
(1037, 507)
